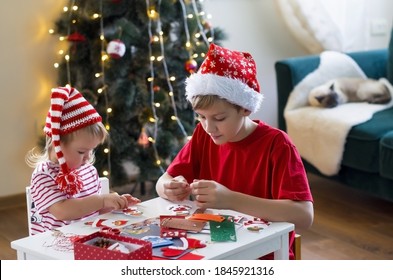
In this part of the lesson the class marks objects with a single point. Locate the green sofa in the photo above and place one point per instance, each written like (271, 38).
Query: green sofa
(367, 162)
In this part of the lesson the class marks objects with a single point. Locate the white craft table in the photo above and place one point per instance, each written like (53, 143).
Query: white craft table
(249, 245)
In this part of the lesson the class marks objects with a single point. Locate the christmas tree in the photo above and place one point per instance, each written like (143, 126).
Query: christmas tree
(130, 59)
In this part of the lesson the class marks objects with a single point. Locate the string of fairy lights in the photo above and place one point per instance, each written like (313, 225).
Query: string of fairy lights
(156, 36)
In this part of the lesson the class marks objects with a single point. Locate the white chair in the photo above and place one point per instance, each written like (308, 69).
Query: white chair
(104, 185)
(104, 190)
(28, 204)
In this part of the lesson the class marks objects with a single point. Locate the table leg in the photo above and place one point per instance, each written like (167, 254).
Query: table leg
(20, 255)
(283, 252)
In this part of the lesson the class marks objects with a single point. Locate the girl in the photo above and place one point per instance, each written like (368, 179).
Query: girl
(64, 184)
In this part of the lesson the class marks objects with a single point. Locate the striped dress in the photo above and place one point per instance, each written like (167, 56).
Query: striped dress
(45, 192)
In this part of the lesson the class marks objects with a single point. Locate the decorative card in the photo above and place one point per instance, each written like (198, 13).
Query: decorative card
(223, 231)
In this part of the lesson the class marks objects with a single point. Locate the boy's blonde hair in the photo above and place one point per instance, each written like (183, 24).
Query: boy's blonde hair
(34, 157)
(206, 101)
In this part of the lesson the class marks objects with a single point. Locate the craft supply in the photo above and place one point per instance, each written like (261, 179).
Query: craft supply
(207, 217)
(130, 211)
(256, 224)
(157, 241)
(180, 209)
(62, 242)
(223, 231)
(110, 230)
(189, 225)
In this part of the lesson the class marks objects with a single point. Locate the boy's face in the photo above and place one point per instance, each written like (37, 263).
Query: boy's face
(224, 122)
(79, 151)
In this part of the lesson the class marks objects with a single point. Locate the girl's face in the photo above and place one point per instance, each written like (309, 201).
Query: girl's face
(224, 122)
(79, 150)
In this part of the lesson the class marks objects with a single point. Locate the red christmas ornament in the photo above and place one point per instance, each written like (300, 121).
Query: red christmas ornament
(116, 49)
(76, 37)
(191, 66)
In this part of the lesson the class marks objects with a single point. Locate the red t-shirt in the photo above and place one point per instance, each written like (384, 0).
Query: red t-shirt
(265, 164)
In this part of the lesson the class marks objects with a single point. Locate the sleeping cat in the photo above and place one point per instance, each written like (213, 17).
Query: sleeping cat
(343, 90)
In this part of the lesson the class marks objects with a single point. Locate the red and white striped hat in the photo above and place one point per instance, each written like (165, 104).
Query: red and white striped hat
(69, 111)
(229, 74)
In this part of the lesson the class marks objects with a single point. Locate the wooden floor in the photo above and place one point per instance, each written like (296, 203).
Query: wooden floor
(347, 224)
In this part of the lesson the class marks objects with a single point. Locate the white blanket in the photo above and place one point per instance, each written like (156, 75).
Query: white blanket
(318, 133)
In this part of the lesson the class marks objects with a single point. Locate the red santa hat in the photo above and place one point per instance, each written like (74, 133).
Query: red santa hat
(69, 111)
(228, 74)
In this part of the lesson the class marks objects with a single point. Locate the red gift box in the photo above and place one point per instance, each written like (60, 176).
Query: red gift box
(87, 248)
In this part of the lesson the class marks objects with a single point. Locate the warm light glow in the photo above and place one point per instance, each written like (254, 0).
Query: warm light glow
(56, 65)
(150, 79)
(159, 58)
(157, 105)
(75, 8)
(67, 57)
(188, 45)
(173, 118)
(107, 126)
(151, 119)
(95, 16)
(65, 9)
(158, 162)
(105, 173)
(190, 16)
(172, 79)
(170, 93)
(106, 150)
(109, 110)
(62, 38)
(152, 14)
(61, 52)
(151, 139)
(51, 31)
(104, 57)
(152, 58)
(97, 75)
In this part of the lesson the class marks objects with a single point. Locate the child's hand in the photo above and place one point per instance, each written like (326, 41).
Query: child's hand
(177, 189)
(210, 194)
(114, 201)
(131, 200)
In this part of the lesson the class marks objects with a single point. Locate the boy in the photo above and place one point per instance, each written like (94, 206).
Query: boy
(233, 162)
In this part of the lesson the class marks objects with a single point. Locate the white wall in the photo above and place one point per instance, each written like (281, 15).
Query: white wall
(28, 52)
(26, 76)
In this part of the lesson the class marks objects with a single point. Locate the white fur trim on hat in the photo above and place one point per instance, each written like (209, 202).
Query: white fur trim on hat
(233, 90)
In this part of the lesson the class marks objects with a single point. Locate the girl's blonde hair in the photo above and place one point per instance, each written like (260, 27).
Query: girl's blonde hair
(34, 156)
